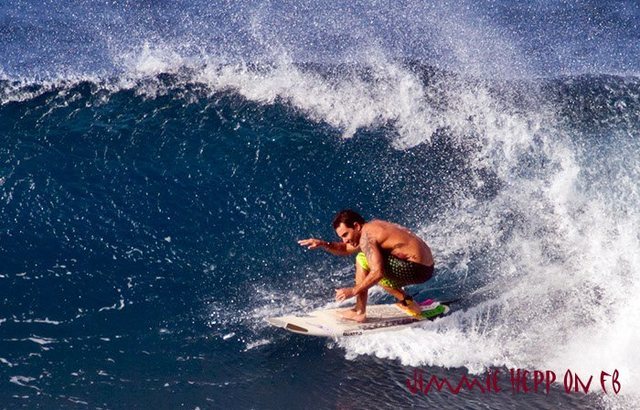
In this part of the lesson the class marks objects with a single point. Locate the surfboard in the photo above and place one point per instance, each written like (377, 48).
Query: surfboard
(329, 323)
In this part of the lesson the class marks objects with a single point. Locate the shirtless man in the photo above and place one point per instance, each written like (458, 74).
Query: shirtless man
(387, 254)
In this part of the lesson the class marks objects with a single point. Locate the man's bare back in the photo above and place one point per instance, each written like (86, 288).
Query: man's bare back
(399, 241)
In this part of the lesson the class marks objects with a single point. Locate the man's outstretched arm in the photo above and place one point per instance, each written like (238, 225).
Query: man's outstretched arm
(336, 248)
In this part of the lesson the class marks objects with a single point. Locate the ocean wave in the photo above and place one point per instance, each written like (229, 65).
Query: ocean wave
(503, 178)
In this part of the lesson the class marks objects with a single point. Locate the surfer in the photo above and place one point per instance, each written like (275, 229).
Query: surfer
(387, 254)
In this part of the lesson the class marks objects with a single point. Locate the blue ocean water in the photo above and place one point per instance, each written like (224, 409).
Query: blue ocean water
(159, 161)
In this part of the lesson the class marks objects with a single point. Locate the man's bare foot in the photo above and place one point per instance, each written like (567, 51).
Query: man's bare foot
(354, 315)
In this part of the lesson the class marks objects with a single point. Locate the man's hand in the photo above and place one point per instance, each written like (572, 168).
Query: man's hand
(344, 293)
(313, 243)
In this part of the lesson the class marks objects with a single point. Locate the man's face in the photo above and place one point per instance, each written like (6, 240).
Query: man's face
(349, 235)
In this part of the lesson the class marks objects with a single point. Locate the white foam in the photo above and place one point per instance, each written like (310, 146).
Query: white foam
(23, 381)
(151, 60)
(42, 321)
(76, 400)
(560, 253)
(41, 340)
(256, 344)
(116, 306)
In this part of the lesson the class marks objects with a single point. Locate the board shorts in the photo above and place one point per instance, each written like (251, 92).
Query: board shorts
(398, 273)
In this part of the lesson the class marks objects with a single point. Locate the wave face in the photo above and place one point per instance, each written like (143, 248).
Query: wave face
(154, 184)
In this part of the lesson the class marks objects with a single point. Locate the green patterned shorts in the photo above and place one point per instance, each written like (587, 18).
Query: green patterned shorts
(399, 273)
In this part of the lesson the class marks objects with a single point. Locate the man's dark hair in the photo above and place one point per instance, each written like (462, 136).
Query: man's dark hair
(347, 217)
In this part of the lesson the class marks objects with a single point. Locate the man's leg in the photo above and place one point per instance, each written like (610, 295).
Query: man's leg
(359, 312)
(401, 295)
(361, 298)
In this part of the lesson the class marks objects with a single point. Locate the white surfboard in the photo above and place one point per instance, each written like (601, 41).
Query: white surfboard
(329, 323)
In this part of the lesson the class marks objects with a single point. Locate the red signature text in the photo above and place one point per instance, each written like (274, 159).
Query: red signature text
(520, 381)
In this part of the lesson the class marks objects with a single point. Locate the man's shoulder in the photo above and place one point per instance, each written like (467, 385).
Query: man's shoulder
(379, 227)
(372, 224)
(378, 223)
(375, 227)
